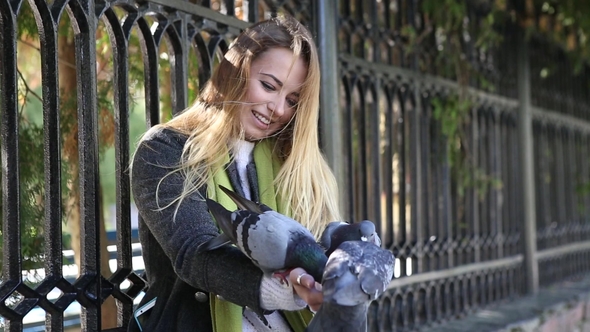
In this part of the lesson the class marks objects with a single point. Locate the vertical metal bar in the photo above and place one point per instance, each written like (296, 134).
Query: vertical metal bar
(149, 50)
(253, 11)
(578, 178)
(431, 188)
(446, 204)
(348, 184)
(9, 151)
(84, 23)
(374, 161)
(516, 204)
(9, 156)
(415, 162)
(180, 44)
(560, 178)
(497, 173)
(48, 36)
(572, 210)
(230, 8)
(360, 173)
(387, 170)
(584, 200)
(473, 206)
(527, 167)
(331, 118)
(402, 129)
(51, 123)
(119, 37)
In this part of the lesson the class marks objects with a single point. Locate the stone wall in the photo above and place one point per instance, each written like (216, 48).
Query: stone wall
(569, 316)
(560, 308)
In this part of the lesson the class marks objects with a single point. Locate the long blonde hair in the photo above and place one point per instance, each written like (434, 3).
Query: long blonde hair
(305, 181)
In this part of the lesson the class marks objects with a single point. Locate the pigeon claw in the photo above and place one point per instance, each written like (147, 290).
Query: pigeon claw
(283, 276)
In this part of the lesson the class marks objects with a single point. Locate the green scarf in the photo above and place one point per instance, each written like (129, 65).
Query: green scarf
(226, 316)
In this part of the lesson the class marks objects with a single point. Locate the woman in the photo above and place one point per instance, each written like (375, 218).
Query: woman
(253, 128)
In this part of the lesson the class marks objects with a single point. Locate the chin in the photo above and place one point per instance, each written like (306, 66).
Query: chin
(257, 137)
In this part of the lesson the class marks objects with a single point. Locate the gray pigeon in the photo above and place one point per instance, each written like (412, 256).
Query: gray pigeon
(339, 231)
(357, 273)
(271, 240)
(242, 204)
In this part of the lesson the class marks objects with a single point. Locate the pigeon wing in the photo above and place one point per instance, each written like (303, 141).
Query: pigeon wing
(227, 221)
(357, 272)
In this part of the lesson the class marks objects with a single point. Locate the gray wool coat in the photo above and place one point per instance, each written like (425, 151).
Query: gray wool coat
(181, 279)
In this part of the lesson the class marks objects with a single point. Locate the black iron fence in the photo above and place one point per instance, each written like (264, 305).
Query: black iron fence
(486, 218)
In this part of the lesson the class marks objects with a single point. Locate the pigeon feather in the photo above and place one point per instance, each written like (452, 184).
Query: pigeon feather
(270, 239)
(356, 274)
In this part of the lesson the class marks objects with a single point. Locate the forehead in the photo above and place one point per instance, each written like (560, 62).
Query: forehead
(282, 64)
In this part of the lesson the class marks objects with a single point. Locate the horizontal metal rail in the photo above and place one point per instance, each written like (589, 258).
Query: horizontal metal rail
(210, 15)
(563, 250)
(508, 103)
(455, 272)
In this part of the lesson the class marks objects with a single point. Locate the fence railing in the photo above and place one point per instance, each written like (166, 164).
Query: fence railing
(514, 215)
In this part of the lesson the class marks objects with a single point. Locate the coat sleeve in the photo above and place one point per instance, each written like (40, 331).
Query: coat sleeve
(226, 271)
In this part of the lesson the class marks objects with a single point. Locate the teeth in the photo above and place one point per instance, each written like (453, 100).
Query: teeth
(261, 118)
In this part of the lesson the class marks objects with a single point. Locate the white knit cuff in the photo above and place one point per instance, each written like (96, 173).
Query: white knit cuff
(275, 295)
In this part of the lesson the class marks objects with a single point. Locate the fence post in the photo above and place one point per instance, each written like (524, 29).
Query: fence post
(526, 163)
(330, 115)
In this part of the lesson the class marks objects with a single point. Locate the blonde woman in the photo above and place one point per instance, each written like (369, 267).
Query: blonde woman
(253, 128)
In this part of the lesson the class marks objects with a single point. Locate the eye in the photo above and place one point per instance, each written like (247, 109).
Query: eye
(267, 86)
(292, 102)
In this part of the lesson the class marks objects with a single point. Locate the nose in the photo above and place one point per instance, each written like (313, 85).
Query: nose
(277, 107)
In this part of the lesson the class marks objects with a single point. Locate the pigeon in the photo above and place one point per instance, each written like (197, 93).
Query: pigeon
(339, 231)
(356, 274)
(273, 241)
(242, 204)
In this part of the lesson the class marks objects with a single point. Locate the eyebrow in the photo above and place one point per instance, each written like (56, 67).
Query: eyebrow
(274, 78)
(277, 81)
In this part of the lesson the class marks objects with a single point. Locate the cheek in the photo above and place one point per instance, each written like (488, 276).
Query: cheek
(287, 119)
(289, 116)
(254, 94)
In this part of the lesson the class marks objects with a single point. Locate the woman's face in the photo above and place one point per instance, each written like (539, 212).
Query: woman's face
(273, 93)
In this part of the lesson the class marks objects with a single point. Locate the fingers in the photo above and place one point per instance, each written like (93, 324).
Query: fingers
(307, 288)
(299, 277)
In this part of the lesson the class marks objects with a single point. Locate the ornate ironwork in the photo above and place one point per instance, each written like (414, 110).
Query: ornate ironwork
(458, 248)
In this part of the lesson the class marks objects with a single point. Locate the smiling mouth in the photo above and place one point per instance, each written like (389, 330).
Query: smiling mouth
(261, 118)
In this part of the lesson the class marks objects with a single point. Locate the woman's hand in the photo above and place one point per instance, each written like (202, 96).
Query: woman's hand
(307, 288)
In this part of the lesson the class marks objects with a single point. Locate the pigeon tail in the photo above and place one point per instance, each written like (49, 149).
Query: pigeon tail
(337, 318)
(223, 218)
(244, 203)
(215, 243)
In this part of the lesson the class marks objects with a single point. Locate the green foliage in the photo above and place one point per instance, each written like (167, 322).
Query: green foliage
(453, 114)
(31, 180)
(31, 136)
(453, 23)
(566, 23)
(450, 27)
(27, 26)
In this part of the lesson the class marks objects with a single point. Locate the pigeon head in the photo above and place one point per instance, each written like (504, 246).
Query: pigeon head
(338, 232)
